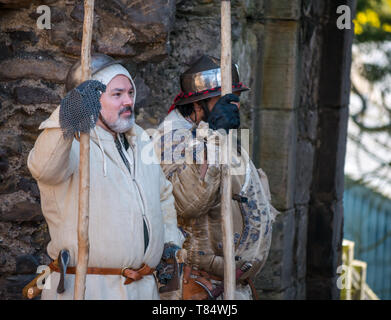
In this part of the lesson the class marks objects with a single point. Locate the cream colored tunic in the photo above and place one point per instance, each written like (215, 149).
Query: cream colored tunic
(118, 203)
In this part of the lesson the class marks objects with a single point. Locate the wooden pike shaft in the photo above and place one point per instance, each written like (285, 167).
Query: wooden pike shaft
(226, 56)
(226, 209)
(84, 166)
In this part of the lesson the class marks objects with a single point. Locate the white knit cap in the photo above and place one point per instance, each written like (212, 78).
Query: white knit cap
(107, 74)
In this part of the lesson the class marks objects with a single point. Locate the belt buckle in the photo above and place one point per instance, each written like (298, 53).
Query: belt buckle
(133, 276)
(127, 279)
(123, 270)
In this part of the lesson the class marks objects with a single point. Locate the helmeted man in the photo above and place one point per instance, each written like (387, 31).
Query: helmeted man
(197, 122)
(132, 214)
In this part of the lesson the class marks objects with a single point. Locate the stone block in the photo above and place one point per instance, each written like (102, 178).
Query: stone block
(117, 41)
(295, 292)
(4, 163)
(290, 293)
(34, 68)
(314, 9)
(304, 169)
(325, 223)
(287, 294)
(13, 285)
(283, 9)
(275, 152)
(8, 185)
(23, 36)
(199, 8)
(15, 4)
(144, 15)
(321, 288)
(270, 295)
(3, 259)
(5, 51)
(328, 179)
(277, 274)
(307, 121)
(30, 125)
(247, 54)
(58, 14)
(300, 249)
(254, 9)
(26, 264)
(61, 36)
(301, 289)
(23, 211)
(40, 237)
(30, 95)
(280, 62)
(29, 185)
(143, 92)
(78, 12)
(337, 54)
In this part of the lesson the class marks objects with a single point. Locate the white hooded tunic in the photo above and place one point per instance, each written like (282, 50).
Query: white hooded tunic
(118, 202)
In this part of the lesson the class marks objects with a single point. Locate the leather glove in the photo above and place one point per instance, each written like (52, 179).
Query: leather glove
(164, 272)
(80, 108)
(225, 115)
(168, 270)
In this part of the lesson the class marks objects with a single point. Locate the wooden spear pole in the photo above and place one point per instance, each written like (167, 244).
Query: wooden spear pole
(226, 209)
(84, 165)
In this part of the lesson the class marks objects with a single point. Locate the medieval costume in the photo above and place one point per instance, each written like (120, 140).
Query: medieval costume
(198, 195)
(132, 213)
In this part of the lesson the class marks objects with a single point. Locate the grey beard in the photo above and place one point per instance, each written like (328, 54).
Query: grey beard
(121, 125)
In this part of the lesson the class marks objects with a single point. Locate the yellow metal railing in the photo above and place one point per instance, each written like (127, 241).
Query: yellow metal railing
(353, 276)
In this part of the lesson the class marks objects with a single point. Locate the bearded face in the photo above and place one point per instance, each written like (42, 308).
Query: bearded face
(118, 104)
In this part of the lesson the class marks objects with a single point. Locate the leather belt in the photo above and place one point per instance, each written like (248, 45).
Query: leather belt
(129, 273)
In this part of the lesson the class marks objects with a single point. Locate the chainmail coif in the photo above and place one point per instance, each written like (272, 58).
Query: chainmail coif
(79, 110)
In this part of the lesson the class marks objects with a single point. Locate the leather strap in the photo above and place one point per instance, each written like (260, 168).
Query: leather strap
(192, 291)
(129, 273)
(253, 290)
(200, 273)
(205, 274)
(192, 288)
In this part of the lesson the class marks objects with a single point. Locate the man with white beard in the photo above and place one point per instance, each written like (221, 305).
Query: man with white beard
(132, 216)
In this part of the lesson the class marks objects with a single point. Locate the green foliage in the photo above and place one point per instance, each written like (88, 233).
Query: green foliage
(373, 21)
(373, 25)
(362, 5)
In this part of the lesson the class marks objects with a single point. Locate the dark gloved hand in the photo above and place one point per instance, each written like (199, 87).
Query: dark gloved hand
(164, 272)
(168, 270)
(79, 110)
(225, 115)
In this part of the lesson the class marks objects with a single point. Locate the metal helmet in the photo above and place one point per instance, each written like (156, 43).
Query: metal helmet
(99, 61)
(203, 80)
